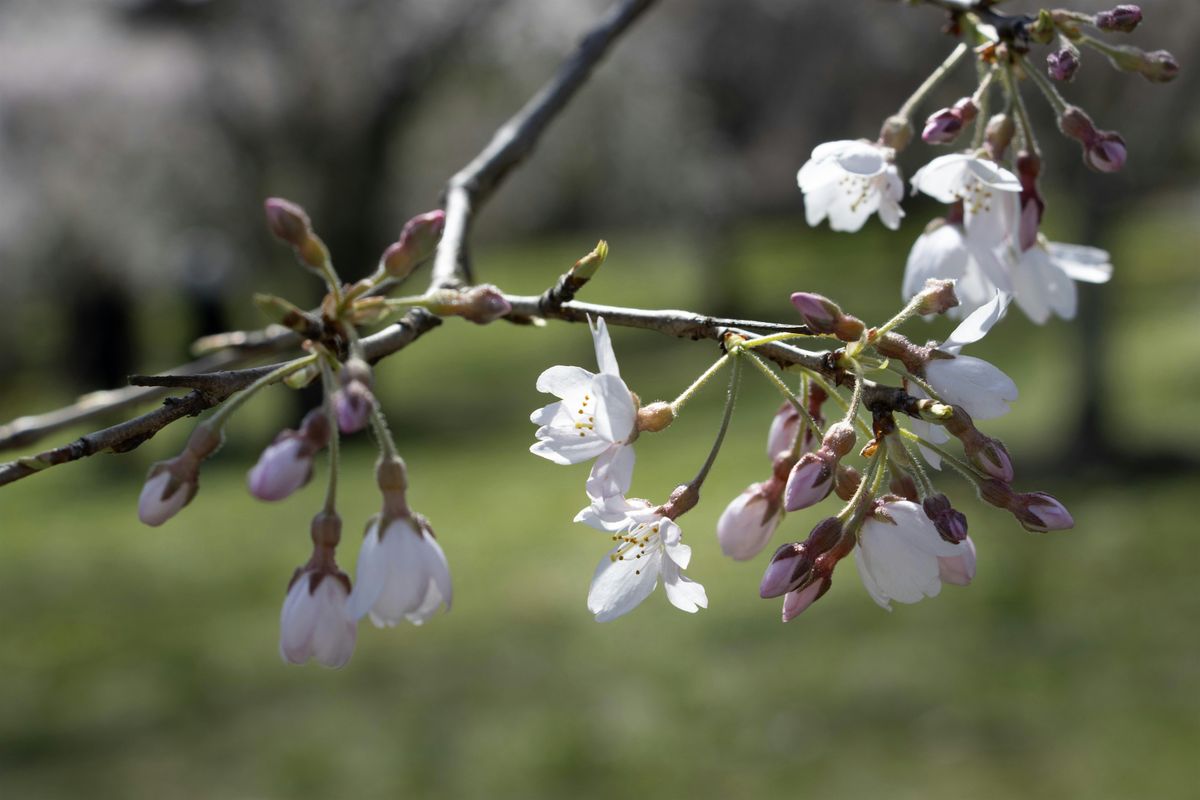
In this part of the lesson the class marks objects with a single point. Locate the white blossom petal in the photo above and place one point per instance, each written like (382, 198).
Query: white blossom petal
(606, 359)
(978, 387)
(561, 381)
(619, 586)
(1082, 263)
(976, 325)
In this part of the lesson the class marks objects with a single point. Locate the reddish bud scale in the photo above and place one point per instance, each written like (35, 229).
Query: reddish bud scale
(1122, 19)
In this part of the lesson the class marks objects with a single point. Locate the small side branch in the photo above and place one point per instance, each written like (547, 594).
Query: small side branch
(471, 186)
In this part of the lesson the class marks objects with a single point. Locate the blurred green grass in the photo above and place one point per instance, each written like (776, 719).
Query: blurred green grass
(142, 662)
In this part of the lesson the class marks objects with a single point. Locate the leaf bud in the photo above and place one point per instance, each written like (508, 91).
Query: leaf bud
(586, 267)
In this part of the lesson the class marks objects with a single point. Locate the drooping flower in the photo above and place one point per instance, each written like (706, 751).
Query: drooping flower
(945, 251)
(649, 548)
(898, 556)
(596, 418)
(402, 573)
(848, 181)
(313, 622)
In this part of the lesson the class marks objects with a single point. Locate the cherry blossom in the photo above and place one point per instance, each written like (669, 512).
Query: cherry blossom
(313, 622)
(649, 548)
(848, 181)
(899, 557)
(1043, 277)
(596, 418)
(402, 574)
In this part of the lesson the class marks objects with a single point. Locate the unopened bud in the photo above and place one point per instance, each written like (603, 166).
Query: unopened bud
(1039, 512)
(1075, 123)
(747, 523)
(846, 481)
(991, 458)
(942, 127)
(418, 239)
(354, 402)
(655, 417)
(809, 482)
(1062, 64)
(479, 304)
(1124, 18)
(1159, 66)
(795, 603)
(585, 268)
(287, 221)
(170, 485)
(787, 569)
(820, 313)
(951, 524)
(785, 427)
(937, 297)
(1106, 153)
(283, 467)
(839, 439)
(903, 485)
(997, 493)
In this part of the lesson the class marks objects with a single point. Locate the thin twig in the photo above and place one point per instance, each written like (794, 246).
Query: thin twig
(471, 186)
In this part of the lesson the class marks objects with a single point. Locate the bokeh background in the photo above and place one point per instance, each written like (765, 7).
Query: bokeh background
(137, 140)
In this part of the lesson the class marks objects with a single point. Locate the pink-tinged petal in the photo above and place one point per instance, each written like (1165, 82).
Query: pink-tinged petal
(785, 427)
(153, 508)
(795, 603)
(561, 381)
(619, 586)
(334, 633)
(809, 482)
(747, 523)
(960, 569)
(281, 470)
(606, 359)
(296, 621)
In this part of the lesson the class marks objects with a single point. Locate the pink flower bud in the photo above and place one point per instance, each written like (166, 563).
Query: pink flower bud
(169, 487)
(416, 243)
(809, 482)
(483, 304)
(789, 568)
(960, 569)
(352, 404)
(795, 603)
(1039, 512)
(820, 313)
(785, 427)
(1106, 152)
(1062, 64)
(287, 221)
(1124, 18)
(747, 523)
(284, 466)
(943, 126)
(992, 459)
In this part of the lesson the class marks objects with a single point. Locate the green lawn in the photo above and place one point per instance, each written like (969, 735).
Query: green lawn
(143, 663)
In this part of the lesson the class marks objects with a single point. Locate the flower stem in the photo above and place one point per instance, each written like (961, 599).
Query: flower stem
(679, 402)
(1013, 90)
(757, 361)
(1043, 83)
(855, 398)
(831, 391)
(871, 478)
(933, 80)
(383, 434)
(960, 466)
(780, 337)
(327, 381)
(734, 377)
(219, 416)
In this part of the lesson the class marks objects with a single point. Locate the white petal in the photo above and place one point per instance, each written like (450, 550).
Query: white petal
(817, 173)
(615, 412)
(941, 178)
(369, 577)
(606, 359)
(980, 388)
(334, 633)
(618, 587)
(611, 514)
(868, 582)
(564, 447)
(296, 622)
(555, 413)
(683, 592)
(861, 159)
(1028, 289)
(818, 200)
(612, 473)
(977, 324)
(561, 381)
(1081, 263)
(939, 253)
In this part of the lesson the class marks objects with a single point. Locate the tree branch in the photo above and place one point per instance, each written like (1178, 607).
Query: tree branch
(209, 390)
(471, 186)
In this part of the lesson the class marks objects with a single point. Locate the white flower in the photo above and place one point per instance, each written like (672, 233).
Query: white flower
(314, 623)
(595, 419)
(946, 251)
(1044, 275)
(402, 574)
(989, 193)
(649, 547)
(899, 560)
(848, 181)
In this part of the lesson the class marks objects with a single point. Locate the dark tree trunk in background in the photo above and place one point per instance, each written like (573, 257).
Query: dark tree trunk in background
(101, 346)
